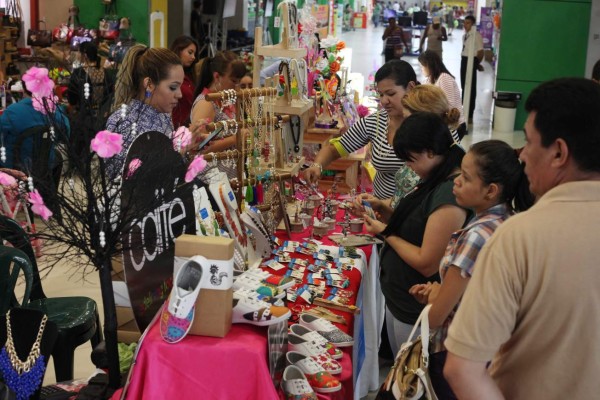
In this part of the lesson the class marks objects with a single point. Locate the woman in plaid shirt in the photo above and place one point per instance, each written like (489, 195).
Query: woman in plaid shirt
(491, 178)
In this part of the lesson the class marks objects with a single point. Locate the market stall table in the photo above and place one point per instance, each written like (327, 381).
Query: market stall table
(237, 366)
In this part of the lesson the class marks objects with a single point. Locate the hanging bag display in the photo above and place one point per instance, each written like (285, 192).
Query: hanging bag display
(109, 24)
(82, 35)
(409, 377)
(39, 37)
(64, 32)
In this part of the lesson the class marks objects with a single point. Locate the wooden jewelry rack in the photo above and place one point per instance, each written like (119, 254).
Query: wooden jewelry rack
(240, 155)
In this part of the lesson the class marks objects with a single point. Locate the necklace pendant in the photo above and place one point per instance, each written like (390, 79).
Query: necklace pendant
(296, 148)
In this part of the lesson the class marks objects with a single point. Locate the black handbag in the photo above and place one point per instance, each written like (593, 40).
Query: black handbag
(39, 37)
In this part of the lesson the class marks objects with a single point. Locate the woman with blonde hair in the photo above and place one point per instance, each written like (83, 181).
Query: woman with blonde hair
(431, 98)
(149, 85)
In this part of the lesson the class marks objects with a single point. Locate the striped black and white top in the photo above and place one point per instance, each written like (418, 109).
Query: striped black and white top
(373, 129)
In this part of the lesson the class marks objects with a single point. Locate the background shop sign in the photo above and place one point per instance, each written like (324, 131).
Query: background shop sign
(486, 27)
(321, 14)
(148, 248)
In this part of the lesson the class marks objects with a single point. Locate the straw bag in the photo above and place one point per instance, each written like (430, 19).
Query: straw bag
(409, 377)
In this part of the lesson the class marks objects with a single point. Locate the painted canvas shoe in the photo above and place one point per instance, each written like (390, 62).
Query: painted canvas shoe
(256, 312)
(317, 353)
(312, 336)
(295, 386)
(178, 311)
(319, 379)
(327, 330)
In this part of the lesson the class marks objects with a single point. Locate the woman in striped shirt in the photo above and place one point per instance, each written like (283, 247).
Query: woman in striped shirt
(394, 79)
(423, 98)
(437, 74)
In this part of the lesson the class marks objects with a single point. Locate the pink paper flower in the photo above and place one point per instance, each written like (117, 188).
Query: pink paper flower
(38, 82)
(50, 106)
(6, 179)
(196, 166)
(133, 166)
(107, 144)
(363, 111)
(37, 205)
(182, 138)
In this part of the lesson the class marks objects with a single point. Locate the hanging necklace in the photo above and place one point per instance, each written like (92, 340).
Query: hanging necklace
(295, 133)
(23, 377)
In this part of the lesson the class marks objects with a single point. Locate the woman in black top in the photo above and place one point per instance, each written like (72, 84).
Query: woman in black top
(423, 221)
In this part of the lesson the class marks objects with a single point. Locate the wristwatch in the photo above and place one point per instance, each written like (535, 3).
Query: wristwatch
(316, 164)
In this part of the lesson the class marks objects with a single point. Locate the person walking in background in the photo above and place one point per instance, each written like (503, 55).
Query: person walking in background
(394, 39)
(450, 20)
(437, 74)
(532, 305)
(471, 35)
(348, 13)
(435, 34)
(377, 10)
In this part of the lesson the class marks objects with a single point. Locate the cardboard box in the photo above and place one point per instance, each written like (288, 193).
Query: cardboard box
(213, 306)
(127, 329)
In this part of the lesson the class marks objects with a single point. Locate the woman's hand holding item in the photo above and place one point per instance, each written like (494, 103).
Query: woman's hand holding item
(425, 293)
(374, 226)
(421, 292)
(313, 173)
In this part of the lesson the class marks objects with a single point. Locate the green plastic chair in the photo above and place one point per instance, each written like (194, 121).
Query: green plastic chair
(8, 278)
(76, 317)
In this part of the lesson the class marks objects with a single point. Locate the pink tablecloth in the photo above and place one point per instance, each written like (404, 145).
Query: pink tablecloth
(200, 367)
(234, 367)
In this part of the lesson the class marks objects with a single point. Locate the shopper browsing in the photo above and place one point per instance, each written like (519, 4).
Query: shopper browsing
(394, 79)
(149, 86)
(532, 304)
(491, 177)
(186, 48)
(423, 222)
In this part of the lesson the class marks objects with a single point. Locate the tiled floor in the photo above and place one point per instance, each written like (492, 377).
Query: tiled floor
(65, 279)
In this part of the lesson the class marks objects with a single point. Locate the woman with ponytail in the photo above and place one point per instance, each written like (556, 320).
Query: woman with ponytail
(221, 72)
(421, 225)
(149, 85)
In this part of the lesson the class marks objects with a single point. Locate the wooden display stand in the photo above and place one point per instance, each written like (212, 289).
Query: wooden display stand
(284, 105)
(350, 165)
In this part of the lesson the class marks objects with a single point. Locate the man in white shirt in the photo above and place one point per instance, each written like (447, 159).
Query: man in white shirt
(471, 35)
